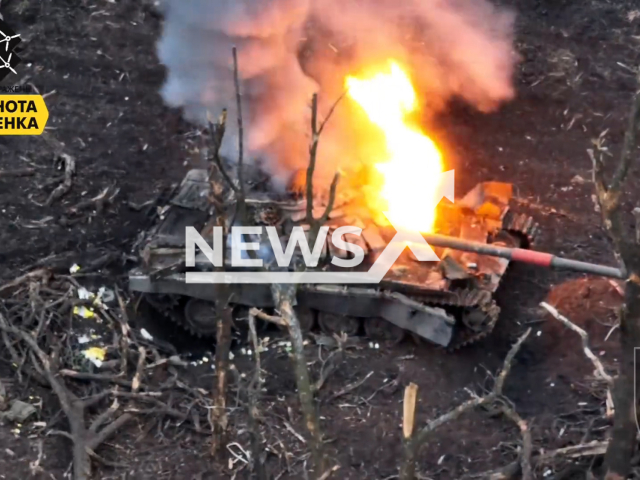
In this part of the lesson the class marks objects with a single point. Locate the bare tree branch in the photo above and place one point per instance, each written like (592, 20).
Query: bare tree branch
(224, 315)
(268, 318)
(527, 443)
(408, 469)
(254, 399)
(514, 469)
(327, 211)
(83, 438)
(331, 110)
(137, 379)
(236, 82)
(623, 435)
(284, 296)
(636, 215)
(217, 131)
(69, 164)
(585, 342)
(218, 413)
(474, 402)
(316, 223)
(628, 145)
(313, 150)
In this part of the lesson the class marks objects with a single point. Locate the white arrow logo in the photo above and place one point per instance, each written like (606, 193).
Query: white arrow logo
(404, 238)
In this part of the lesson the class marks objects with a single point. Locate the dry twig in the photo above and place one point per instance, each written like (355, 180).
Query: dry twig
(527, 444)
(514, 469)
(32, 336)
(329, 472)
(135, 383)
(69, 164)
(351, 387)
(20, 172)
(41, 273)
(408, 469)
(98, 202)
(83, 438)
(241, 192)
(600, 371)
(268, 318)
(316, 223)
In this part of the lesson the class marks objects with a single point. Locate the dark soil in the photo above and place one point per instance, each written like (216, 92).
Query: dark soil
(97, 62)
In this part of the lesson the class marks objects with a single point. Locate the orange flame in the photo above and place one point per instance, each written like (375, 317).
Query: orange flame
(412, 162)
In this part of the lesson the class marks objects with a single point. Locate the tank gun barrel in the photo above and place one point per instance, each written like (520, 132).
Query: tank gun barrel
(531, 257)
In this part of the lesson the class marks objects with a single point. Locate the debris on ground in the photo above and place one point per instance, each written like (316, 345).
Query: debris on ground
(19, 412)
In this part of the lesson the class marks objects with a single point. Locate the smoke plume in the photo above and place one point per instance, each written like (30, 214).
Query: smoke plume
(288, 49)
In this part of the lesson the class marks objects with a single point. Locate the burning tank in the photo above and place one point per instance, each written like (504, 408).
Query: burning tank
(449, 302)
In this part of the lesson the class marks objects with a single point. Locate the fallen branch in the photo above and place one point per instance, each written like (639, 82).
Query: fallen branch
(527, 444)
(142, 355)
(69, 165)
(95, 377)
(98, 202)
(84, 439)
(514, 469)
(409, 466)
(477, 401)
(325, 371)
(329, 472)
(600, 372)
(351, 387)
(39, 274)
(36, 337)
(268, 318)
(20, 172)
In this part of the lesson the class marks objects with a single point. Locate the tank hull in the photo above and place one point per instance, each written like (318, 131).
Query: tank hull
(449, 303)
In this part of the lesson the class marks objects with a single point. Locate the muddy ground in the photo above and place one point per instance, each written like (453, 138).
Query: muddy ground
(96, 62)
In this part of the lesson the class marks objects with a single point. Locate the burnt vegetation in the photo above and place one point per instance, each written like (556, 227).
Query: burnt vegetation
(95, 383)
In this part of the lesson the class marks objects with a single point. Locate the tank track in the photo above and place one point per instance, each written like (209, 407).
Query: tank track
(169, 307)
(466, 338)
(522, 225)
(166, 306)
(463, 336)
(473, 299)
